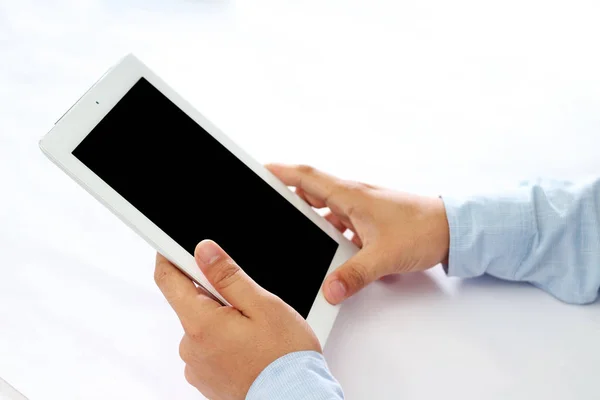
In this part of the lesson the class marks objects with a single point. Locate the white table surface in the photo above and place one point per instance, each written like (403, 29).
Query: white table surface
(428, 96)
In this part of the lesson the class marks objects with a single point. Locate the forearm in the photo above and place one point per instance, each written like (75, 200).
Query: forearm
(545, 234)
(296, 376)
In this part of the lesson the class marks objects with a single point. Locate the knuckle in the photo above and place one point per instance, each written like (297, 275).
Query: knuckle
(161, 275)
(305, 169)
(338, 192)
(187, 373)
(226, 273)
(184, 350)
(356, 188)
(368, 186)
(196, 332)
(356, 276)
(351, 195)
(197, 336)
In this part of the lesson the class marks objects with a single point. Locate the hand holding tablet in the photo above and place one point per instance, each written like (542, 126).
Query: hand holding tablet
(226, 348)
(397, 232)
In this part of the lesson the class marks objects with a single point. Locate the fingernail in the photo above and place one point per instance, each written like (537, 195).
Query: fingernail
(337, 290)
(208, 252)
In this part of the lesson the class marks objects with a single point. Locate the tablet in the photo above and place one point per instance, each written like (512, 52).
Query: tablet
(173, 177)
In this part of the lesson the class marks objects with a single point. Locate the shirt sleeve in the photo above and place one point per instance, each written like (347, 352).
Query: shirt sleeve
(545, 233)
(302, 375)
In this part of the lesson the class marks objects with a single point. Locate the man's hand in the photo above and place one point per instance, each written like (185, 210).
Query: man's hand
(226, 348)
(397, 232)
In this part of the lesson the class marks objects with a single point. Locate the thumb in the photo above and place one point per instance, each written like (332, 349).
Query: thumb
(356, 273)
(226, 276)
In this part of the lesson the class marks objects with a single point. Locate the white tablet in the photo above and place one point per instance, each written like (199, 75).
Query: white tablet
(176, 179)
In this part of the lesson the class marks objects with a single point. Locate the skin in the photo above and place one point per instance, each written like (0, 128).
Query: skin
(397, 232)
(226, 348)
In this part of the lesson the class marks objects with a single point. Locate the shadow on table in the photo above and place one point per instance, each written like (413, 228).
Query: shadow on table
(394, 290)
(487, 283)
(420, 285)
(411, 285)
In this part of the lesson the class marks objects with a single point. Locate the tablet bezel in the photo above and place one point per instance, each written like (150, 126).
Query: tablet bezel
(95, 104)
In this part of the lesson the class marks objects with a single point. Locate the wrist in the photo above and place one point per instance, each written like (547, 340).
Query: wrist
(442, 232)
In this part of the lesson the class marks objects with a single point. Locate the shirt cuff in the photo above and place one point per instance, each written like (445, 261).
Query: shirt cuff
(301, 375)
(487, 234)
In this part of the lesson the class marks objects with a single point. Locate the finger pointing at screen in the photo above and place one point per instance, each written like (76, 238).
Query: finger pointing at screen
(226, 348)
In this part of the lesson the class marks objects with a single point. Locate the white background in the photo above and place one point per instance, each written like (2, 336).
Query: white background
(427, 96)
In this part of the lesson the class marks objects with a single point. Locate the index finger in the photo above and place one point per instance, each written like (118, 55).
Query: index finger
(181, 293)
(313, 182)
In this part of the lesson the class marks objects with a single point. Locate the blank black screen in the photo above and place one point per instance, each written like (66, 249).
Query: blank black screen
(182, 179)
